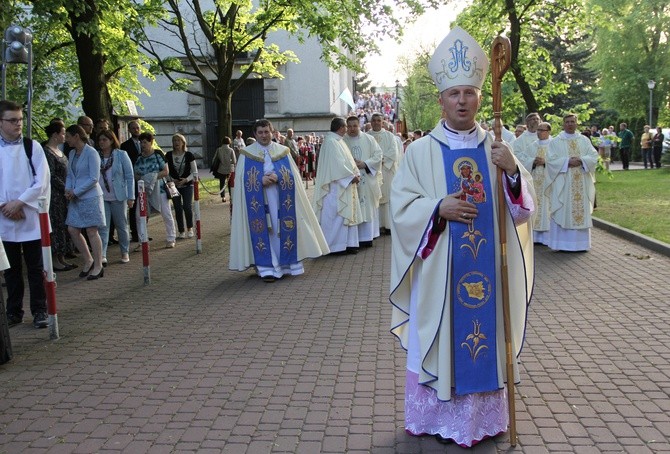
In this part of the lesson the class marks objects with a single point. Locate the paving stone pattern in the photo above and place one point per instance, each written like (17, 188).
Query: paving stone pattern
(213, 361)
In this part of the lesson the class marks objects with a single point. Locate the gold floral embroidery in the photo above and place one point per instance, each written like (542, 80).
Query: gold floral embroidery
(286, 183)
(289, 244)
(260, 245)
(255, 204)
(477, 338)
(288, 202)
(472, 235)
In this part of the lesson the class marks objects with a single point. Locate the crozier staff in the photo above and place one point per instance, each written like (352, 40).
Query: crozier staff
(446, 285)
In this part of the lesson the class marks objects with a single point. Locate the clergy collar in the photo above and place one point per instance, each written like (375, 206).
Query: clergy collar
(568, 135)
(455, 131)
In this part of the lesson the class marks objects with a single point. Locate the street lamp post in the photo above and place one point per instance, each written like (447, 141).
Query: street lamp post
(651, 84)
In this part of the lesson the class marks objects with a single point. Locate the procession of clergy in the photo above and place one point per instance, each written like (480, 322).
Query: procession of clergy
(350, 207)
(441, 201)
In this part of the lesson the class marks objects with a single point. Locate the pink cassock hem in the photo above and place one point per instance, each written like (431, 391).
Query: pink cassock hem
(467, 420)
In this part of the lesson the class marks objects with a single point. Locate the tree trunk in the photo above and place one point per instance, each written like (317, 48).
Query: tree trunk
(515, 40)
(97, 102)
(224, 102)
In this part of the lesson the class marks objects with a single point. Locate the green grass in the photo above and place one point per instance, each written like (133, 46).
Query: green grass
(638, 200)
(211, 188)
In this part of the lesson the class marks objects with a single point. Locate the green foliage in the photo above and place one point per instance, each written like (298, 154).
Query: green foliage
(363, 83)
(419, 107)
(56, 70)
(540, 26)
(632, 48)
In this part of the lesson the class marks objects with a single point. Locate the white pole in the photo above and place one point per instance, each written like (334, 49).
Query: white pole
(47, 263)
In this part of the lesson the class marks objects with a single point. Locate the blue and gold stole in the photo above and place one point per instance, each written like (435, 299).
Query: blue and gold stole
(473, 282)
(258, 215)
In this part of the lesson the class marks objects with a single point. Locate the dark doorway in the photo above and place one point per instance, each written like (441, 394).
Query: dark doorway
(248, 106)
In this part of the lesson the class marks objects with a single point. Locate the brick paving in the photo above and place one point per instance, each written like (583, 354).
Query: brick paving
(212, 361)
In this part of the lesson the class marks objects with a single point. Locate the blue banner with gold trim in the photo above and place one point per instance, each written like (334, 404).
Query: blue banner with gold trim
(260, 224)
(473, 286)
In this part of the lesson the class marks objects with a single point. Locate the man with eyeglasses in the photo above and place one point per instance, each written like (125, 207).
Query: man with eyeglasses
(533, 157)
(22, 183)
(87, 123)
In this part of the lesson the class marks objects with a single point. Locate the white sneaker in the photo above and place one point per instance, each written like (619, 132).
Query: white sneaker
(169, 244)
(125, 258)
(181, 235)
(190, 233)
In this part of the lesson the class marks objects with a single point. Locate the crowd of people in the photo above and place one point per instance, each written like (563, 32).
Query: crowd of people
(90, 182)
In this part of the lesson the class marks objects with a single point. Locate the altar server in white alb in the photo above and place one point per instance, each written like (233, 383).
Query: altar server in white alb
(446, 287)
(571, 166)
(368, 158)
(273, 226)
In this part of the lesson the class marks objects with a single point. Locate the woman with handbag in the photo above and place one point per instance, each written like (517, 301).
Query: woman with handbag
(182, 168)
(152, 169)
(118, 191)
(223, 165)
(85, 210)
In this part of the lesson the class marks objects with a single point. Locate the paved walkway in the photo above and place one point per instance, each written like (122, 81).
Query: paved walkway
(208, 360)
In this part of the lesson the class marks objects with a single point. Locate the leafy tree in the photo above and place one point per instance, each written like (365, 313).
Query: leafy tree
(363, 83)
(632, 47)
(420, 106)
(82, 52)
(204, 44)
(529, 85)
